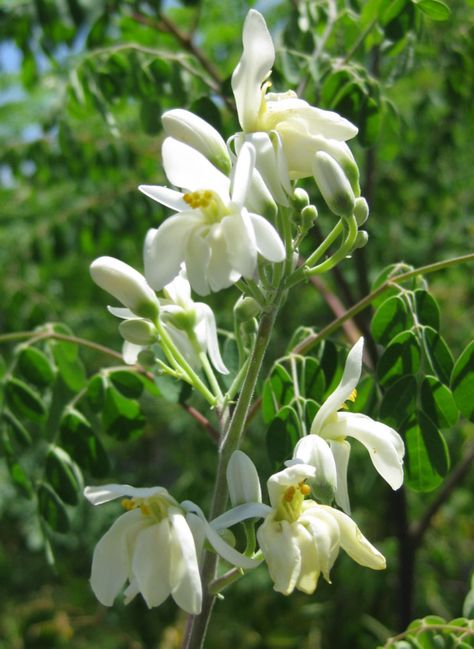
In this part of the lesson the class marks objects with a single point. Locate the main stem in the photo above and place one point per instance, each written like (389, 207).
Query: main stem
(197, 626)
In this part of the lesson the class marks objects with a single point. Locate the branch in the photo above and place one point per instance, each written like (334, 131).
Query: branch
(309, 342)
(418, 528)
(202, 420)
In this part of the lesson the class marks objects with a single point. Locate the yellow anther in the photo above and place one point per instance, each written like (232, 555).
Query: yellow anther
(353, 396)
(304, 488)
(128, 504)
(289, 494)
(144, 509)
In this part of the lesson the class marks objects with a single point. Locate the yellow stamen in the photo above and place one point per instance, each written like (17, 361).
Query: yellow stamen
(288, 495)
(352, 397)
(128, 504)
(144, 509)
(304, 488)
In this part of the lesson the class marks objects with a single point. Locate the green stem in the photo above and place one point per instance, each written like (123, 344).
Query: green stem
(340, 254)
(230, 442)
(312, 340)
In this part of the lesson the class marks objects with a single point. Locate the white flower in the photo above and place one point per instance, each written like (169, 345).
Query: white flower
(384, 444)
(299, 126)
(151, 546)
(186, 322)
(212, 231)
(300, 539)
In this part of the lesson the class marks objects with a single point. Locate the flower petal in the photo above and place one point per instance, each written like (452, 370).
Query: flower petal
(349, 380)
(269, 164)
(166, 196)
(240, 513)
(279, 544)
(325, 532)
(111, 560)
(314, 450)
(341, 451)
(242, 173)
(253, 68)
(108, 492)
(269, 244)
(242, 479)
(130, 352)
(384, 444)
(291, 476)
(355, 543)
(198, 254)
(151, 563)
(165, 247)
(206, 315)
(310, 566)
(187, 168)
(185, 580)
(121, 312)
(240, 242)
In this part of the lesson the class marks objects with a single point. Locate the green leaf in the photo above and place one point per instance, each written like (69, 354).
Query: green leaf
(438, 403)
(95, 393)
(35, 366)
(129, 384)
(66, 356)
(17, 430)
(150, 116)
(312, 381)
(332, 364)
(390, 319)
(83, 445)
(52, 509)
(387, 273)
(282, 435)
(434, 9)
(23, 400)
(63, 475)
(439, 358)
(427, 309)
(16, 471)
(399, 401)
(427, 459)
(366, 396)
(462, 382)
(121, 417)
(401, 358)
(169, 387)
(277, 392)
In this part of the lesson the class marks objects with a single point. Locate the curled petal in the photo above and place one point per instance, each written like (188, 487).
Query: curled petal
(269, 244)
(355, 543)
(349, 380)
(253, 68)
(185, 580)
(314, 450)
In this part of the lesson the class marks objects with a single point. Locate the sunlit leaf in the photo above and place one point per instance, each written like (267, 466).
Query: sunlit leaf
(462, 382)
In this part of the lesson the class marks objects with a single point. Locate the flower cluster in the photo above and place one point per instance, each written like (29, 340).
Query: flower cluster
(230, 224)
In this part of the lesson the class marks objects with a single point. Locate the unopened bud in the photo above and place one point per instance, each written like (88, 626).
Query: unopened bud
(138, 331)
(300, 198)
(333, 184)
(126, 284)
(184, 319)
(246, 308)
(242, 479)
(361, 211)
(361, 240)
(309, 214)
(196, 132)
(343, 156)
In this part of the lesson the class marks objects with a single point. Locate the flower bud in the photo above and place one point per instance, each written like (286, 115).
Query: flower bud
(361, 211)
(343, 156)
(196, 132)
(242, 479)
(138, 331)
(300, 198)
(126, 284)
(184, 319)
(333, 184)
(361, 240)
(309, 214)
(246, 308)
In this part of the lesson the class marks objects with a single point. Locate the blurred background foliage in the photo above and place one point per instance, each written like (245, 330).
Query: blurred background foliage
(83, 86)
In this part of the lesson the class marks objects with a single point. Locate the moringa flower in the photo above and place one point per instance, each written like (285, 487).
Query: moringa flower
(300, 539)
(151, 546)
(384, 444)
(212, 231)
(302, 129)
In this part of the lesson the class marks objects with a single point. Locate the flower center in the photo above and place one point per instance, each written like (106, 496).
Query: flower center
(208, 202)
(289, 508)
(154, 507)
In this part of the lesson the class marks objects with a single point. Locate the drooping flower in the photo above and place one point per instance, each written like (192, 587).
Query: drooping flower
(151, 547)
(384, 444)
(300, 539)
(212, 231)
(299, 128)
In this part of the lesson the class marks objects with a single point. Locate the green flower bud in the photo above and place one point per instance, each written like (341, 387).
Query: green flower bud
(333, 184)
(361, 240)
(138, 331)
(300, 198)
(309, 214)
(361, 211)
(246, 308)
